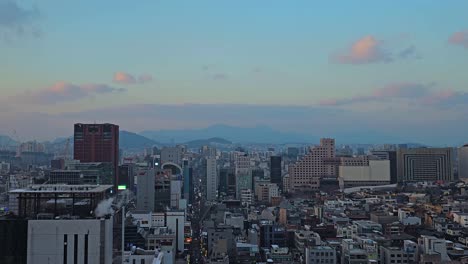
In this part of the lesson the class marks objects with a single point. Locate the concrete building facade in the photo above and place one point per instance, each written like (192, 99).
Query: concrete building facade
(211, 179)
(463, 162)
(376, 172)
(70, 241)
(425, 164)
(306, 173)
(146, 191)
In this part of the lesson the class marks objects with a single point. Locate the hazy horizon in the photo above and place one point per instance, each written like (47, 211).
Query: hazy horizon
(394, 69)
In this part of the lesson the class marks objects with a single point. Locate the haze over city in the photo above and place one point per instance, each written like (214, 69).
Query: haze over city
(392, 70)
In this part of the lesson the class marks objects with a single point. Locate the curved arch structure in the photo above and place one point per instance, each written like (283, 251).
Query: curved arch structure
(172, 165)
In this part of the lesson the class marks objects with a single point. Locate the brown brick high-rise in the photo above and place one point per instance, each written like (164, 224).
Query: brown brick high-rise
(97, 143)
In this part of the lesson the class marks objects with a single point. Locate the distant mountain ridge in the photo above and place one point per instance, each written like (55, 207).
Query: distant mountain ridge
(130, 140)
(258, 134)
(209, 141)
(6, 141)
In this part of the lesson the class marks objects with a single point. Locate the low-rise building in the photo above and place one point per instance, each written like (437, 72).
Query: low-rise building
(320, 254)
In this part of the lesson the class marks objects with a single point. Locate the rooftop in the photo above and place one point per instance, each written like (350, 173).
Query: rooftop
(61, 188)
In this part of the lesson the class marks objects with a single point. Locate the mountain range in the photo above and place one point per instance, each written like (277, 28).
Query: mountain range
(220, 135)
(129, 140)
(258, 134)
(6, 141)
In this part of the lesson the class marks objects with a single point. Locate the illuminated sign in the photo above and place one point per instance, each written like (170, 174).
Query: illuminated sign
(122, 187)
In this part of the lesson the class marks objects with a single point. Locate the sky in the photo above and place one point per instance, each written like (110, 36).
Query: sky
(317, 67)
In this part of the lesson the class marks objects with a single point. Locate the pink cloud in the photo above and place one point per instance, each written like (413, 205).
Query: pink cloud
(66, 92)
(124, 78)
(127, 78)
(365, 50)
(459, 38)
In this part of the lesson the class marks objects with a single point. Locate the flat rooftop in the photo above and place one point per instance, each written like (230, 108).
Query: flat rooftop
(61, 188)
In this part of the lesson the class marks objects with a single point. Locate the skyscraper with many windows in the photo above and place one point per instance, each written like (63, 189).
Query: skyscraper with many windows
(306, 173)
(425, 164)
(211, 179)
(97, 143)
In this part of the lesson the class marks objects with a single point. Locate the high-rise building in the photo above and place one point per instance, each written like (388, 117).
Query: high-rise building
(175, 222)
(176, 193)
(223, 180)
(463, 162)
(306, 173)
(172, 154)
(187, 181)
(425, 164)
(146, 190)
(97, 143)
(275, 170)
(191, 191)
(126, 176)
(390, 155)
(211, 179)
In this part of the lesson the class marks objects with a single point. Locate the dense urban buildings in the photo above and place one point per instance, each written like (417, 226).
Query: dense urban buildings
(235, 204)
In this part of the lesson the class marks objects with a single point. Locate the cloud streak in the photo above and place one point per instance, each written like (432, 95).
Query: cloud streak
(459, 38)
(127, 78)
(363, 51)
(220, 76)
(423, 94)
(369, 49)
(68, 92)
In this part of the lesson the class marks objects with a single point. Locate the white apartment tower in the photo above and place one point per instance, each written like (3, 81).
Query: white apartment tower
(319, 162)
(211, 178)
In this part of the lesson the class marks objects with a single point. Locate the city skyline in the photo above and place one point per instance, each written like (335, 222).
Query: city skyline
(304, 67)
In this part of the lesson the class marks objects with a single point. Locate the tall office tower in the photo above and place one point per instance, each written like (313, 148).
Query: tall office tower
(146, 190)
(97, 143)
(425, 164)
(187, 181)
(390, 155)
(223, 180)
(176, 193)
(126, 177)
(243, 174)
(306, 173)
(463, 162)
(191, 191)
(275, 170)
(211, 181)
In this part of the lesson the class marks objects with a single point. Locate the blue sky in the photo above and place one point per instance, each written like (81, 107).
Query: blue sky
(385, 64)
